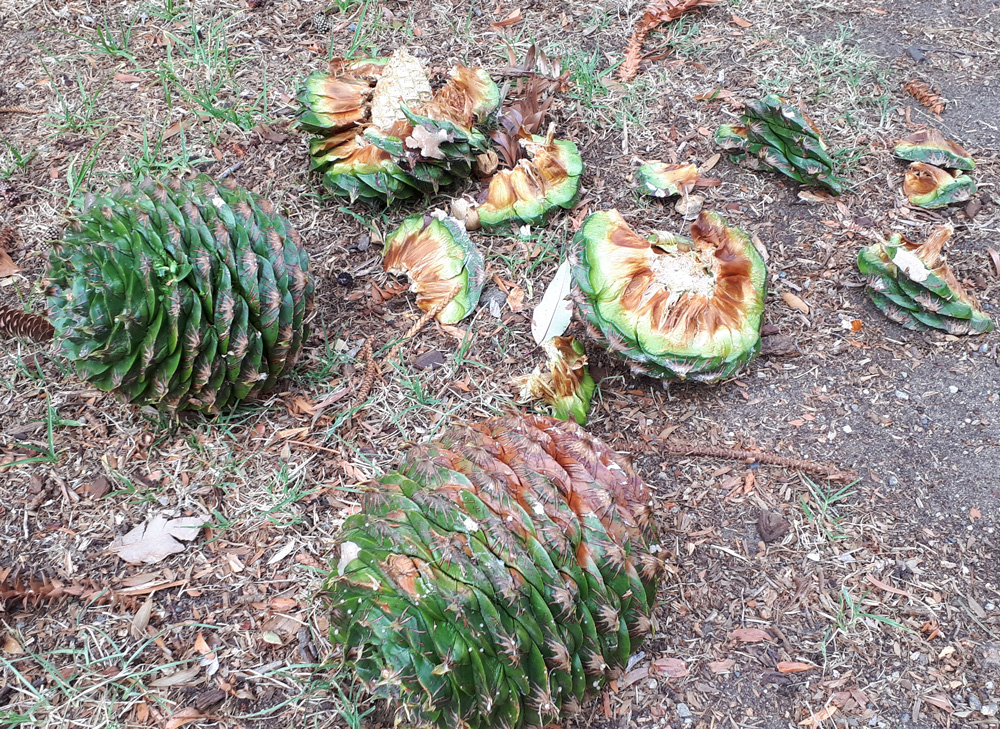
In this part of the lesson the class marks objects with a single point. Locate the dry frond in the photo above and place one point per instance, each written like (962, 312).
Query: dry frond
(925, 94)
(657, 13)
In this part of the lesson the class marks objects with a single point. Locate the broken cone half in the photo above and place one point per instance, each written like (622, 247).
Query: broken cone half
(662, 179)
(445, 269)
(932, 187)
(930, 146)
(912, 284)
(674, 307)
(567, 386)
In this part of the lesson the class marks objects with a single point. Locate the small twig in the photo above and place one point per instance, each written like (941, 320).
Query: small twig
(687, 448)
(371, 370)
(236, 167)
(956, 53)
(19, 110)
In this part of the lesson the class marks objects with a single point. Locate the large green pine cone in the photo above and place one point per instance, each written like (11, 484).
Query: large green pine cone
(182, 294)
(502, 574)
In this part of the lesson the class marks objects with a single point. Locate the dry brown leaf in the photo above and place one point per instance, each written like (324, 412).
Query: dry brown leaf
(178, 126)
(7, 266)
(127, 78)
(657, 13)
(795, 302)
(709, 163)
(724, 666)
(821, 715)
(12, 647)
(141, 619)
(794, 667)
(888, 588)
(184, 716)
(975, 513)
(158, 539)
(178, 678)
(750, 635)
(673, 667)
(995, 257)
(512, 18)
(742, 22)
(201, 645)
(941, 702)
(515, 299)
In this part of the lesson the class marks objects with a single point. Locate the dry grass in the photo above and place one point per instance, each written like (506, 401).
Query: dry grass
(276, 478)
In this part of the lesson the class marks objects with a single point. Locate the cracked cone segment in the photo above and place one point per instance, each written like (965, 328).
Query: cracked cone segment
(503, 573)
(438, 258)
(930, 146)
(548, 178)
(385, 135)
(777, 137)
(180, 294)
(661, 179)
(674, 307)
(567, 387)
(912, 284)
(931, 187)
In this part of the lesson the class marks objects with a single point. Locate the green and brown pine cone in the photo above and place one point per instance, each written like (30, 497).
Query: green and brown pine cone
(503, 573)
(182, 294)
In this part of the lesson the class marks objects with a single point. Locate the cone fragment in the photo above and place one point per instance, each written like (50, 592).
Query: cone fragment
(931, 187)
(19, 323)
(661, 179)
(674, 307)
(180, 294)
(502, 574)
(912, 284)
(567, 386)
(930, 146)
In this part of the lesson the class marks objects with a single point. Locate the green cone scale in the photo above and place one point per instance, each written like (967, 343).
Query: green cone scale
(567, 387)
(180, 294)
(662, 179)
(931, 147)
(932, 187)
(780, 138)
(501, 575)
(673, 307)
(913, 286)
(443, 265)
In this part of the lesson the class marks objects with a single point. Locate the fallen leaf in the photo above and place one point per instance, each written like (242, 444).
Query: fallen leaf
(771, 525)
(184, 716)
(974, 514)
(941, 702)
(821, 715)
(511, 19)
(201, 645)
(740, 21)
(794, 667)
(158, 539)
(995, 257)
(815, 196)
(515, 299)
(178, 126)
(141, 619)
(12, 647)
(750, 635)
(429, 360)
(710, 163)
(673, 667)
(271, 637)
(127, 78)
(96, 489)
(795, 302)
(888, 588)
(178, 678)
(7, 266)
(554, 313)
(724, 666)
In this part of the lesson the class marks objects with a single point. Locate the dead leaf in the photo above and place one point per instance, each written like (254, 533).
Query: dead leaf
(96, 489)
(974, 514)
(771, 525)
(513, 17)
(673, 667)
(794, 667)
(941, 702)
(740, 21)
(269, 636)
(710, 163)
(184, 716)
(816, 196)
(178, 126)
(127, 78)
(750, 635)
(724, 666)
(888, 588)
(12, 647)
(995, 257)
(201, 645)
(7, 266)
(821, 715)
(795, 302)
(554, 313)
(178, 678)
(158, 539)
(141, 619)
(515, 299)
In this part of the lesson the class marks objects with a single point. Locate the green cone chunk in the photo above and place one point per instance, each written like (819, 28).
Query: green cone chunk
(912, 285)
(441, 262)
(674, 307)
(780, 138)
(501, 575)
(661, 179)
(180, 294)
(930, 146)
(931, 187)
(567, 387)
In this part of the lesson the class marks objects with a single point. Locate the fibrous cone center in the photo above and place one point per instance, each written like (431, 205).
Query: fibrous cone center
(684, 271)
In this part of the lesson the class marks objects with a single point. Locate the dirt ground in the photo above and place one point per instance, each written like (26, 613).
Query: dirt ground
(888, 590)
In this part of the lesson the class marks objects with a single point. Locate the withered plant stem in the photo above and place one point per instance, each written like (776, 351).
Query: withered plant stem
(19, 110)
(748, 455)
